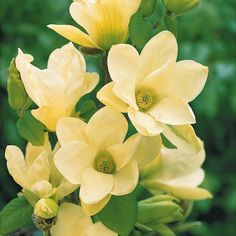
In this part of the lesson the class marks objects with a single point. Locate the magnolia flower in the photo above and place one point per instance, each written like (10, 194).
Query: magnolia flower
(177, 173)
(105, 22)
(95, 156)
(152, 87)
(57, 89)
(71, 221)
(35, 172)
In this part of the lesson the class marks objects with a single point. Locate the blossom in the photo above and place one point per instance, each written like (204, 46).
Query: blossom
(72, 221)
(105, 22)
(57, 89)
(95, 156)
(177, 173)
(152, 87)
(35, 172)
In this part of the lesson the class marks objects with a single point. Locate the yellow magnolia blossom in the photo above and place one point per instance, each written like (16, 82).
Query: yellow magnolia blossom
(153, 88)
(177, 173)
(105, 22)
(95, 156)
(35, 172)
(71, 221)
(57, 89)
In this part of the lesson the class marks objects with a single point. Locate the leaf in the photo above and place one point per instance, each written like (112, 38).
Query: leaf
(31, 129)
(87, 110)
(140, 30)
(171, 24)
(167, 142)
(16, 214)
(120, 214)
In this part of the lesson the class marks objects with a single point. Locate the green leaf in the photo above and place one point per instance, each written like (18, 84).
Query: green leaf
(140, 30)
(163, 230)
(31, 129)
(15, 215)
(167, 142)
(171, 24)
(87, 110)
(120, 214)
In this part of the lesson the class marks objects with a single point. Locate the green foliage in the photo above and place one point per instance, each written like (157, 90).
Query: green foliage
(31, 129)
(120, 213)
(15, 215)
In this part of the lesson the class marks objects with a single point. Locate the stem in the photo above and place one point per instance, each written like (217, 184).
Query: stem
(46, 233)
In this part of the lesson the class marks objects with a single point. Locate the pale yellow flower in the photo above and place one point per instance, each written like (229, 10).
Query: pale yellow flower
(57, 89)
(35, 172)
(177, 173)
(152, 87)
(71, 221)
(95, 156)
(105, 22)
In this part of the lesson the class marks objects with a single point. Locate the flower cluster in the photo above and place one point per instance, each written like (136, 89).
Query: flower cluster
(122, 147)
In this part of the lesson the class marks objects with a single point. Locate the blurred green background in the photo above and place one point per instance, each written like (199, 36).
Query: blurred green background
(206, 35)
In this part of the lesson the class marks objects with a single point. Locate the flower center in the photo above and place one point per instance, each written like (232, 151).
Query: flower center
(144, 99)
(104, 163)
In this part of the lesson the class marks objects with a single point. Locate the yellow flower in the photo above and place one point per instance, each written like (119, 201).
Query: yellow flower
(35, 172)
(57, 89)
(177, 173)
(95, 156)
(72, 221)
(152, 87)
(105, 22)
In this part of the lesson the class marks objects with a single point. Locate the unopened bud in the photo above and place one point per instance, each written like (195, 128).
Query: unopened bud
(46, 208)
(17, 96)
(147, 7)
(179, 7)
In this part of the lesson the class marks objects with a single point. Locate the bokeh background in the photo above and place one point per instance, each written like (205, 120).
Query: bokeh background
(206, 35)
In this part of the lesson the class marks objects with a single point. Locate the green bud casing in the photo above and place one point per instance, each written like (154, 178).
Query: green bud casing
(179, 7)
(147, 7)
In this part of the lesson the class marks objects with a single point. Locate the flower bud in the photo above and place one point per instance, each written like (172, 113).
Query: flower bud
(147, 7)
(157, 210)
(46, 208)
(179, 7)
(17, 96)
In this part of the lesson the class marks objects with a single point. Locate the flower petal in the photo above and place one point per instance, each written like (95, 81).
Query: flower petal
(71, 218)
(99, 229)
(184, 137)
(187, 80)
(72, 158)
(69, 129)
(159, 50)
(132, 6)
(148, 149)
(65, 188)
(16, 165)
(73, 34)
(173, 111)
(107, 97)
(95, 186)
(123, 62)
(92, 209)
(126, 179)
(123, 153)
(107, 127)
(144, 123)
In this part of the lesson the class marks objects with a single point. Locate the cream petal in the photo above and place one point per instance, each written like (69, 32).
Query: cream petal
(187, 80)
(126, 179)
(39, 170)
(173, 111)
(16, 165)
(90, 80)
(107, 127)
(69, 129)
(72, 158)
(144, 123)
(132, 6)
(123, 63)
(92, 209)
(65, 188)
(74, 34)
(123, 153)
(107, 97)
(183, 137)
(95, 186)
(71, 218)
(99, 229)
(41, 188)
(148, 149)
(159, 50)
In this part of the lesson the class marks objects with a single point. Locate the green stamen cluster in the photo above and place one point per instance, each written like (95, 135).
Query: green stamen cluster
(144, 99)
(104, 163)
